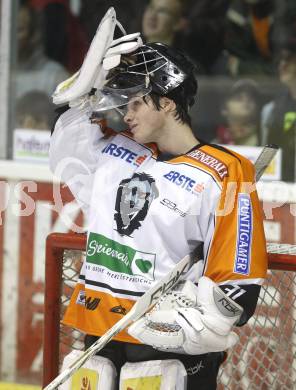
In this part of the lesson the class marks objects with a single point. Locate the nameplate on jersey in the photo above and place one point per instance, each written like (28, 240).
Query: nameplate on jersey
(244, 235)
(211, 162)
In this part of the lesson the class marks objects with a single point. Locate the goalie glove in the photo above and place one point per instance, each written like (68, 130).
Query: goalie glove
(103, 54)
(195, 320)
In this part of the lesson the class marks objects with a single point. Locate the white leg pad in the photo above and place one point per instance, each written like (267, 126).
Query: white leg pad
(98, 373)
(154, 375)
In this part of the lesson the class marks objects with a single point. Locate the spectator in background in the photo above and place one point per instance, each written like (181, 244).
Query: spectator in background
(162, 20)
(241, 112)
(279, 116)
(129, 13)
(65, 40)
(196, 27)
(203, 34)
(249, 37)
(34, 110)
(34, 69)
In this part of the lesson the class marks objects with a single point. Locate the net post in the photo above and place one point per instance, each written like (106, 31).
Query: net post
(53, 279)
(283, 261)
(56, 244)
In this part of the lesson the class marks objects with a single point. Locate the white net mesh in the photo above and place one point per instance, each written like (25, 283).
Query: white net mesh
(69, 338)
(263, 359)
(281, 248)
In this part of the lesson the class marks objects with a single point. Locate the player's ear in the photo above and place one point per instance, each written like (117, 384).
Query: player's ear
(168, 105)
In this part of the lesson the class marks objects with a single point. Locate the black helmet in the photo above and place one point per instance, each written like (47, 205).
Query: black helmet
(155, 68)
(167, 70)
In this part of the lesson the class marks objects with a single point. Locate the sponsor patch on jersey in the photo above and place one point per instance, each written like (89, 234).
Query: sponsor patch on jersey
(80, 300)
(119, 258)
(91, 303)
(173, 206)
(118, 310)
(185, 182)
(124, 154)
(244, 235)
(211, 162)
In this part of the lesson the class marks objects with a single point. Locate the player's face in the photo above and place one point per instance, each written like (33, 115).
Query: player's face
(160, 19)
(144, 120)
(287, 67)
(241, 107)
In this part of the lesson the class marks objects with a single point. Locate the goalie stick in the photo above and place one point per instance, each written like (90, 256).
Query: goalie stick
(150, 298)
(264, 159)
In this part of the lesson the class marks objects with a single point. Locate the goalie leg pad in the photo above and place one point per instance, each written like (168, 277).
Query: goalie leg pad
(154, 374)
(97, 373)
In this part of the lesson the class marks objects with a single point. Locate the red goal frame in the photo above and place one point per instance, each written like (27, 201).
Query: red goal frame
(56, 244)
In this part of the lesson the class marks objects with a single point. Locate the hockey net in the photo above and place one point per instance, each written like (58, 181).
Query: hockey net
(263, 359)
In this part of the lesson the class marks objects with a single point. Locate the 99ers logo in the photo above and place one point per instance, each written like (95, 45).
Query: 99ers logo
(173, 206)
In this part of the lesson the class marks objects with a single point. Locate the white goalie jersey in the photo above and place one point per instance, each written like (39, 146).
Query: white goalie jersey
(144, 214)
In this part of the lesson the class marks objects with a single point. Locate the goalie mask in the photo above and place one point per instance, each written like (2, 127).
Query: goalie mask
(153, 68)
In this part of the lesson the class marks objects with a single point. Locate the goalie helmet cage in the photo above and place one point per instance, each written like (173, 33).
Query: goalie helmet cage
(264, 356)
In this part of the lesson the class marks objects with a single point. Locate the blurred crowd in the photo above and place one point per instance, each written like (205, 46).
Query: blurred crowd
(244, 51)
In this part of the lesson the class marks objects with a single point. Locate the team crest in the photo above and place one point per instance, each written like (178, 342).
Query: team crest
(134, 197)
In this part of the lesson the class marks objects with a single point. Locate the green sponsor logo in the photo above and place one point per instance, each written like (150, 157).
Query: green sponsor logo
(119, 258)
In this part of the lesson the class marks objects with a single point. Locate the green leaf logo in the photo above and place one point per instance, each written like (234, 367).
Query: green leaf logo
(143, 265)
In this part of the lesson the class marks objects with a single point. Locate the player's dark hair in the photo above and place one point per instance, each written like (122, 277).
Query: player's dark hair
(181, 112)
(183, 92)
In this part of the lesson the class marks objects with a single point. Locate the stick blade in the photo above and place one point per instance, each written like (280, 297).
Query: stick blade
(264, 159)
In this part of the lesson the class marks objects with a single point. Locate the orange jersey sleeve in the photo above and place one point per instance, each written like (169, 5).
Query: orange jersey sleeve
(237, 251)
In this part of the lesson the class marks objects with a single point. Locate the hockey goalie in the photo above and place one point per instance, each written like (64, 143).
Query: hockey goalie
(152, 194)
